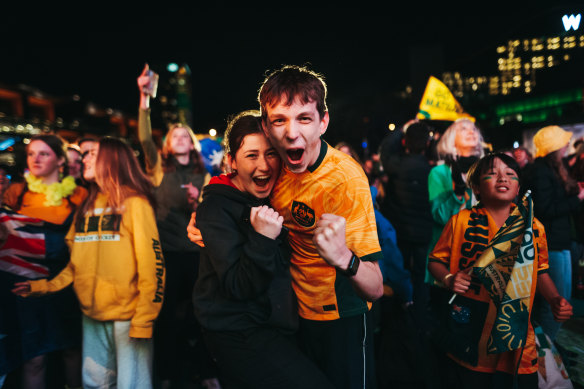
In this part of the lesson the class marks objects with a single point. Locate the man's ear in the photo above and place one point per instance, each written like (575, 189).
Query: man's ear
(324, 122)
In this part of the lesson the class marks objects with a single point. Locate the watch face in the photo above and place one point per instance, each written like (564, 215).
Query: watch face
(353, 265)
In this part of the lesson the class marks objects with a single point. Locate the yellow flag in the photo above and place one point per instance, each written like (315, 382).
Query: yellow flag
(438, 103)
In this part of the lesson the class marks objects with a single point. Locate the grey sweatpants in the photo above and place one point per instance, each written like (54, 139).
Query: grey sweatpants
(111, 359)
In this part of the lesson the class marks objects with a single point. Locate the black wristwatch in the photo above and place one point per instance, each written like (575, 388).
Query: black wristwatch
(353, 266)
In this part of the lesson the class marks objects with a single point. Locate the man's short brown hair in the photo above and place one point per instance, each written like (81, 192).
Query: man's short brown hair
(293, 82)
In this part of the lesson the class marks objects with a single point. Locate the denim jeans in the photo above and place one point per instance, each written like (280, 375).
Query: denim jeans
(561, 274)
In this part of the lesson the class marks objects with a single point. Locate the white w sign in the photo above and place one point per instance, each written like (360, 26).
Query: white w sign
(571, 22)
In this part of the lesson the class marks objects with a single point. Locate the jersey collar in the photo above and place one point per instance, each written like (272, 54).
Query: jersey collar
(321, 155)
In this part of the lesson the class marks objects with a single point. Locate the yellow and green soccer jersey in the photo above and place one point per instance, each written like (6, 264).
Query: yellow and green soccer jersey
(334, 184)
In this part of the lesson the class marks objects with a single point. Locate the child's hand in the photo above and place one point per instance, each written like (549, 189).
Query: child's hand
(459, 283)
(561, 309)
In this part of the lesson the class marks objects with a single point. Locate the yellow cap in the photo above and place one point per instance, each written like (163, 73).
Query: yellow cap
(550, 139)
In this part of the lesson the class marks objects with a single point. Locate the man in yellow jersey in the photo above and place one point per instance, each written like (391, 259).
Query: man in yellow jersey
(324, 197)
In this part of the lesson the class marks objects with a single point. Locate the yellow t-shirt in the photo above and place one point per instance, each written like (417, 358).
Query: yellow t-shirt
(334, 184)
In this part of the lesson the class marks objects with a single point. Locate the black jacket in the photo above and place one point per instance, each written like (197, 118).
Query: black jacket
(244, 277)
(552, 205)
(406, 203)
(173, 212)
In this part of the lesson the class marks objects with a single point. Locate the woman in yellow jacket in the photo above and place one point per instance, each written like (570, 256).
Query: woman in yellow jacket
(117, 270)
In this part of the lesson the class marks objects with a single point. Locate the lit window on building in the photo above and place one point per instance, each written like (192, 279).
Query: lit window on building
(537, 62)
(566, 57)
(581, 40)
(569, 42)
(553, 43)
(501, 49)
(536, 44)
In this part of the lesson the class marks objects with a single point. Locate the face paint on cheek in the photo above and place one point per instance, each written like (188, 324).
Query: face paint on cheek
(515, 179)
(486, 178)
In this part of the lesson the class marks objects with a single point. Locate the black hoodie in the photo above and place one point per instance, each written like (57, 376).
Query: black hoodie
(244, 278)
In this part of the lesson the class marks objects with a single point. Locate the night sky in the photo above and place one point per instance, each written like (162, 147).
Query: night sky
(363, 52)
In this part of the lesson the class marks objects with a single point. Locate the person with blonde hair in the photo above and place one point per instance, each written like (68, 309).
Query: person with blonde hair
(178, 173)
(459, 147)
(556, 197)
(116, 268)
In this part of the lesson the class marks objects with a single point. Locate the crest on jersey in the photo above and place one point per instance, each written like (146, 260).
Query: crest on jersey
(303, 214)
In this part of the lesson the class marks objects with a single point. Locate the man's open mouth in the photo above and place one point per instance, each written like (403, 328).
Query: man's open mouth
(295, 154)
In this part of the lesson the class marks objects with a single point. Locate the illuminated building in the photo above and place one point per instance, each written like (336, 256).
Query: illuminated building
(174, 96)
(535, 74)
(518, 63)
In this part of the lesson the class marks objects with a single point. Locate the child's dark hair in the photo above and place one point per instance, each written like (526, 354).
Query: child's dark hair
(486, 163)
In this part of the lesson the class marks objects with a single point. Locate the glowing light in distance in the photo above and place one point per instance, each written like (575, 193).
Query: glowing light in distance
(172, 67)
(212, 132)
(7, 143)
(391, 126)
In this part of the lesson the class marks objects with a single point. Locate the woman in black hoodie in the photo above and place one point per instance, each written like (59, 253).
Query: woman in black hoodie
(243, 297)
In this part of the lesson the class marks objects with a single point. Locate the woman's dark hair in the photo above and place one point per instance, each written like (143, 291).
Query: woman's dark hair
(241, 125)
(417, 138)
(555, 161)
(486, 163)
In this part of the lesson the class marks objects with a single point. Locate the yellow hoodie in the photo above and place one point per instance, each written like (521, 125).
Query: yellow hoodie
(116, 266)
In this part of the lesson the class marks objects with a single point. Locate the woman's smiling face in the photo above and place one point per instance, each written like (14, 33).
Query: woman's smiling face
(257, 164)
